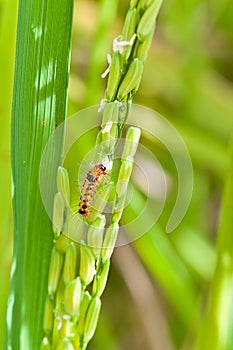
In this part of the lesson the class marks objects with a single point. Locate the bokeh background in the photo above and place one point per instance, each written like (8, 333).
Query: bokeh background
(159, 289)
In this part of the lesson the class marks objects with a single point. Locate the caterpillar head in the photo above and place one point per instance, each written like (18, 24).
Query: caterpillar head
(101, 169)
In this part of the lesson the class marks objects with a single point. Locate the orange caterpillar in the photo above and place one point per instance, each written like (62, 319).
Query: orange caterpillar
(89, 187)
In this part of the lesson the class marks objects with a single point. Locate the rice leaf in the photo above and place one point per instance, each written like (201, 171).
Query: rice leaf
(39, 105)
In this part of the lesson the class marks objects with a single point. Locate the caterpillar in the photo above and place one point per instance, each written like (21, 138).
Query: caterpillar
(89, 188)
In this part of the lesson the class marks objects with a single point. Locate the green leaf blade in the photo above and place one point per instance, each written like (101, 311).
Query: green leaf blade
(39, 105)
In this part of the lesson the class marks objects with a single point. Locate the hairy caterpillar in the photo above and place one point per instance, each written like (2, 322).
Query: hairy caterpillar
(89, 187)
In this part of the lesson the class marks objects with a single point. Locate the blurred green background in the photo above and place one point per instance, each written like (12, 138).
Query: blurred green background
(160, 290)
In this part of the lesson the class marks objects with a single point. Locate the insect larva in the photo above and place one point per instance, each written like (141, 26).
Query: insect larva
(89, 188)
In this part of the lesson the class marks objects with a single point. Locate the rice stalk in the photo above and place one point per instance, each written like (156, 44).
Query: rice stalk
(76, 316)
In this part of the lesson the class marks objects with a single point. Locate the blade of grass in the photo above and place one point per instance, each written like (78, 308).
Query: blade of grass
(205, 150)
(39, 105)
(163, 262)
(218, 320)
(7, 44)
